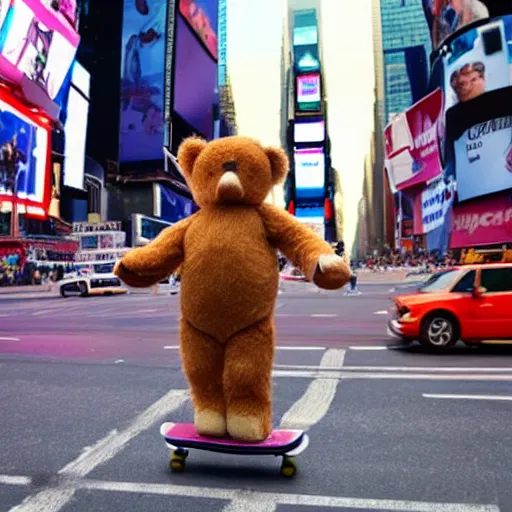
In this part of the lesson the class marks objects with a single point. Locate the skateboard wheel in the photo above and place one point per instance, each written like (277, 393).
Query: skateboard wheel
(288, 467)
(178, 460)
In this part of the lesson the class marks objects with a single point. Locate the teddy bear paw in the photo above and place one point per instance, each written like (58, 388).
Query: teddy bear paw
(328, 262)
(332, 272)
(247, 428)
(210, 423)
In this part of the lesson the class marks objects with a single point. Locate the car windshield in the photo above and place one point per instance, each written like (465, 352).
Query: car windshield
(104, 268)
(440, 281)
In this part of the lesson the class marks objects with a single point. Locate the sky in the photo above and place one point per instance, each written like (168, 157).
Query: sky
(254, 38)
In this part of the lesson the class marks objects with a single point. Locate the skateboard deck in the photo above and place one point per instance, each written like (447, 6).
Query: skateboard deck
(285, 443)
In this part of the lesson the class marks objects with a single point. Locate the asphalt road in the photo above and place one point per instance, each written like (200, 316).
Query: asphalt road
(85, 384)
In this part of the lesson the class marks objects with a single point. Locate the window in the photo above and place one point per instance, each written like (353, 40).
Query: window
(497, 279)
(466, 283)
(441, 281)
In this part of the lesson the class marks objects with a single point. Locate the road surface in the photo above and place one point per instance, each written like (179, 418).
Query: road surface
(86, 382)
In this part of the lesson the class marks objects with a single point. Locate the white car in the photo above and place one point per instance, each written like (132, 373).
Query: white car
(92, 279)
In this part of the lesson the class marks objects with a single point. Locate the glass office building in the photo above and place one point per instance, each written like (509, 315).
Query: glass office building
(406, 48)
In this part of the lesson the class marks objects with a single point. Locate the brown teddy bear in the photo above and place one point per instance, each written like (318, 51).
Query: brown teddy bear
(229, 279)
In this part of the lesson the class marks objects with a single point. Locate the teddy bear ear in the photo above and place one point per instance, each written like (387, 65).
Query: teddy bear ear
(188, 152)
(279, 164)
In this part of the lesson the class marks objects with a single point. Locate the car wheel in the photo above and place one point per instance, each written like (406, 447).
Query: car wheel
(63, 292)
(83, 289)
(439, 332)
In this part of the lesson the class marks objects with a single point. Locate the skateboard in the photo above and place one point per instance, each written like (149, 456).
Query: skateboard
(280, 443)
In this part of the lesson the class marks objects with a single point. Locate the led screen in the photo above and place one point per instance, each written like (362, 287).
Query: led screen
(202, 16)
(444, 18)
(25, 139)
(37, 48)
(76, 128)
(309, 132)
(478, 61)
(142, 80)
(309, 175)
(308, 92)
(195, 81)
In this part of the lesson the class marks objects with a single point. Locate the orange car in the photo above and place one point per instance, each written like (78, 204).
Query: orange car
(471, 303)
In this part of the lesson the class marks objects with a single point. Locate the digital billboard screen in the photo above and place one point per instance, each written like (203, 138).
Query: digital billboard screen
(309, 93)
(202, 16)
(37, 48)
(478, 61)
(195, 81)
(309, 132)
(309, 175)
(75, 128)
(25, 141)
(142, 81)
(445, 17)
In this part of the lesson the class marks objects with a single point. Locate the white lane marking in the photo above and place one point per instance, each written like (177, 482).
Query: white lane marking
(282, 498)
(9, 339)
(171, 347)
(469, 397)
(339, 375)
(15, 480)
(324, 315)
(119, 361)
(382, 312)
(396, 369)
(376, 347)
(313, 405)
(44, 312)
(53, 500)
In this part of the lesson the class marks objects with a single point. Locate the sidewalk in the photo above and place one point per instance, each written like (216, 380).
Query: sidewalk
(8, 290)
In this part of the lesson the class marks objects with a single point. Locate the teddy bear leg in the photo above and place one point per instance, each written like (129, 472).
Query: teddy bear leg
(203, 365)
(248, 382)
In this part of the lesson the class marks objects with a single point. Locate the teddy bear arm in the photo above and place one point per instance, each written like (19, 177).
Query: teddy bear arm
(296, 241)
(145, 266)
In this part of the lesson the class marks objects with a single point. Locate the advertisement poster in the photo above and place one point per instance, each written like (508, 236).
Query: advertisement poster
(142, 80)
(308, 92)
(309, 175)
(25, 152)
(478, 61)
(37, 48)
(174, 207)
(195, 81)
(202, 16)
(446, 16)
(485, 222)
(309, 132)
(412, 143)
(435, 203)
(483, 158)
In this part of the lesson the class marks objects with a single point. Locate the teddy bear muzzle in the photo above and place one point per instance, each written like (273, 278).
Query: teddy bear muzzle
(229, 188)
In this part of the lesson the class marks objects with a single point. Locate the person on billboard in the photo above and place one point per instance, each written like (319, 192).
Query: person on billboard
(446, 16)
(468, 82)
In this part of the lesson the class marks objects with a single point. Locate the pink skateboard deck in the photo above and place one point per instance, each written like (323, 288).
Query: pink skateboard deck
(285, 443)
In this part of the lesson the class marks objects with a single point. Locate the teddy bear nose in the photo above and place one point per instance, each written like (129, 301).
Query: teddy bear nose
(230, 166)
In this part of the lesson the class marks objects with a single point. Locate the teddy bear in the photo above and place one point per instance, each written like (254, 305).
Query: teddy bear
(227, 253)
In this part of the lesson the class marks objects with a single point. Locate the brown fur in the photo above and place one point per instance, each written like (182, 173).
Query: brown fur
(229, 279)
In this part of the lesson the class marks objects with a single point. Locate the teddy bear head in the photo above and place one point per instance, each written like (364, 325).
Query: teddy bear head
(231, 170)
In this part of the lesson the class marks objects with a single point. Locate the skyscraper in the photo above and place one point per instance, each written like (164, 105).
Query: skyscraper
(406, 48)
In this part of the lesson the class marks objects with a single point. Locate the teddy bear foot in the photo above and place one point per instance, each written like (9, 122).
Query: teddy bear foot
(247, 428)
(210, 423)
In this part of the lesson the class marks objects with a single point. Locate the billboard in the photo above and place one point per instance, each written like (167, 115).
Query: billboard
(202, 16)
(195, 81)
(37, 48)
(142, 80)
(446, 16)
(24, 142)
(174, 207)
(478, 61)
(436, 200)
(305, 41)
(484, 222)
(483, 157)
(75, 128)
(412, 143)
(309, 93)
(309, 175)
(309, 131)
